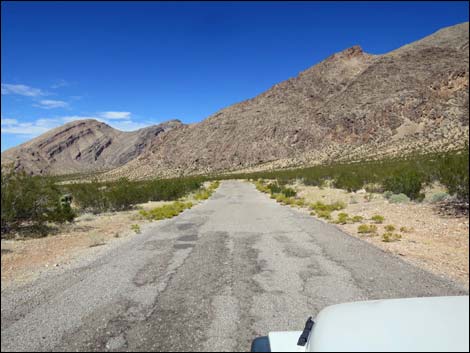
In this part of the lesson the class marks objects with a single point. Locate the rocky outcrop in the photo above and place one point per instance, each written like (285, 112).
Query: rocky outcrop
(350, 106)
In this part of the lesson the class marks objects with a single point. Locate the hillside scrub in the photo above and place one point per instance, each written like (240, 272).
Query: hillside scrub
(97, 197)
(31, 201)
(406, 176)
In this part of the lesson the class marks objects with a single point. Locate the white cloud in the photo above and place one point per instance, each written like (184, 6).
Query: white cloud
(9, 121)
(22, 90)
(40, 126)
(51, 104)
(31, 128)
(115, 115)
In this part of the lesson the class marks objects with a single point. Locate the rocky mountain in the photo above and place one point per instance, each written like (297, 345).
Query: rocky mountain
(82, 146)
(351, 106)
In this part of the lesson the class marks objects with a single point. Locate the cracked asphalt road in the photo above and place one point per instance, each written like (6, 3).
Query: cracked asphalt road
(231, 268)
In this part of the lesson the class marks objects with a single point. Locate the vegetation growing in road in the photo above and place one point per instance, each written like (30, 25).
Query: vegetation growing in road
(136, 228)
(165, 211)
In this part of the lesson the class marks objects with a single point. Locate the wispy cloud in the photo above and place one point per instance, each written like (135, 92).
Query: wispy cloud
(34, 128)
(60, 83)
(40, 126)
(22, 90)
(51, 104)
(115, 115)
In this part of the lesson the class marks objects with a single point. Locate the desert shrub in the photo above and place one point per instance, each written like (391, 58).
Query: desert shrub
(406, 230)
(387, 194)
(136, 228)
(97, 197)
(409, 183)
(274, 188)
(165, 211)
(389, 227)
(289, 192)
(453, 171)
(31, 200)
(390, 236)
(326, 214)
(342, 218)
(356, 219)
(321, 206)
(439, 196)
(300, 202)
(377, 218)
(367, 229)
(348, 181)
(400, 198)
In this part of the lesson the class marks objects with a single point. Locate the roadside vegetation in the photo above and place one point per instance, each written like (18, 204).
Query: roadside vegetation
(401, 180)
(33, 205)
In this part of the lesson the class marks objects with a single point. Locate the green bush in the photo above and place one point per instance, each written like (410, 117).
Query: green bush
(343, 218)
(289, 192)
(367, 229)
(356, 219)
(389, 227)
(348, 181)
(136, 228)
(387, 194)
(453, 173)
(400, 198)
(165, 211)
(389, 237)
(326, 214)
(97, 197)
(409, 183)
(378, 218)
(31, 201)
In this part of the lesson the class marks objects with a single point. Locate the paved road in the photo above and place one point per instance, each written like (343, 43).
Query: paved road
(236, 266)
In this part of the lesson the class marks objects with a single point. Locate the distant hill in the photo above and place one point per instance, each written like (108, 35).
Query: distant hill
(82, 146)
(351, 106)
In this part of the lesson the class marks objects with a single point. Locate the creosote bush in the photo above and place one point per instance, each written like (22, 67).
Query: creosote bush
(367, 229)
(357, 219)
(342, 218)
(377, 218)
(31, 202)
(390, 237)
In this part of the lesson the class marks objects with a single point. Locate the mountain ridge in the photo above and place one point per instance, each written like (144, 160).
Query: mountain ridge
(352, 105)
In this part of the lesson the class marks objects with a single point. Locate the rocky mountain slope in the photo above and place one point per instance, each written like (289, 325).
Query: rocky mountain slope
(351, 106)
(82, 146)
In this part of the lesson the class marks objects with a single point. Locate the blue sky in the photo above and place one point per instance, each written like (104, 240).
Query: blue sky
(133, 64)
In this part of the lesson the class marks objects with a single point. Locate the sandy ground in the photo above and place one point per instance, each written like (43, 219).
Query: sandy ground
(21, 260)
(436, 242)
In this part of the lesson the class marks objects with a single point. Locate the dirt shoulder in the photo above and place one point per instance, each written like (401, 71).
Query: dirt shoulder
(433, 241)
(22, 259)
